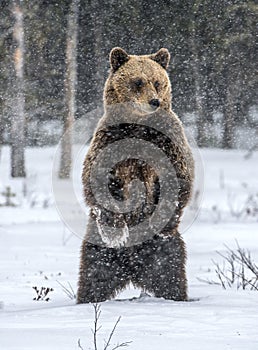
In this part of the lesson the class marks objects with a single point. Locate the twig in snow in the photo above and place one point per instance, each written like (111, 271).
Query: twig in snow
(97, 313)
(68, 290)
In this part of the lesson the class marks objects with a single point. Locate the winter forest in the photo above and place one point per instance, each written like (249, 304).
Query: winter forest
(54, 61)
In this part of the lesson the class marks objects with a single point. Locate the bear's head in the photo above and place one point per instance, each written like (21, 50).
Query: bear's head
(140, 81)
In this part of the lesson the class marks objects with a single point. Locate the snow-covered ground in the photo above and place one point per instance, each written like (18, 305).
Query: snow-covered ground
(36, 249)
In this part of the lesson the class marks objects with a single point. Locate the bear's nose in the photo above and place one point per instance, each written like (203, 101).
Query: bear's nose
(154, 103)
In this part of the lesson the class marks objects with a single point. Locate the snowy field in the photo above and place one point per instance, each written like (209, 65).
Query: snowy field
(36, 249)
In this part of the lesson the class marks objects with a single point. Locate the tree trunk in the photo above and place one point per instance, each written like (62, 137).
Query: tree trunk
(99, 58)
(201, 118)
(18, 116)
(198, 80)
(70, 90)
(230, 88)
(1, 134)
(228, 113)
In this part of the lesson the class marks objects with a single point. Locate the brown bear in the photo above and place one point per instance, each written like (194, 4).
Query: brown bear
(139, 158)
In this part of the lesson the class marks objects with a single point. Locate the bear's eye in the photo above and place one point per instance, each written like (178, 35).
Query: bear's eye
(157, 84)
(139, 83)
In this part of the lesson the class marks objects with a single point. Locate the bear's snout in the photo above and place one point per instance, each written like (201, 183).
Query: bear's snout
(155, 103)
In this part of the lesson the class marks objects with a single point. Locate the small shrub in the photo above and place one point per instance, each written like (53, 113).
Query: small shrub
(42, 293)
(237, 269)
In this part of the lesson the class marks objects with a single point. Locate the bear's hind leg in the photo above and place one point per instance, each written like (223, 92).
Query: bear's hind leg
(101, 274)
(159, 267)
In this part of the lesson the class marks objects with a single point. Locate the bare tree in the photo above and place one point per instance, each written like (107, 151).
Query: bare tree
(70, 90)
(18, 116)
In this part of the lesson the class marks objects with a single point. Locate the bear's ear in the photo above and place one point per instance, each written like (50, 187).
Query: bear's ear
(118, 57)
(162, 57)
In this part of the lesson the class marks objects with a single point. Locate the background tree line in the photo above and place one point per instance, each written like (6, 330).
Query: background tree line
(213, 47)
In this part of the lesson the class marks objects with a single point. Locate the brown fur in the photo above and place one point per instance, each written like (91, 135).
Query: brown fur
(157, 265)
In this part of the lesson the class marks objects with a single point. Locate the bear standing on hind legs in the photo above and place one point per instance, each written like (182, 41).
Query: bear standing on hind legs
(132, 234)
